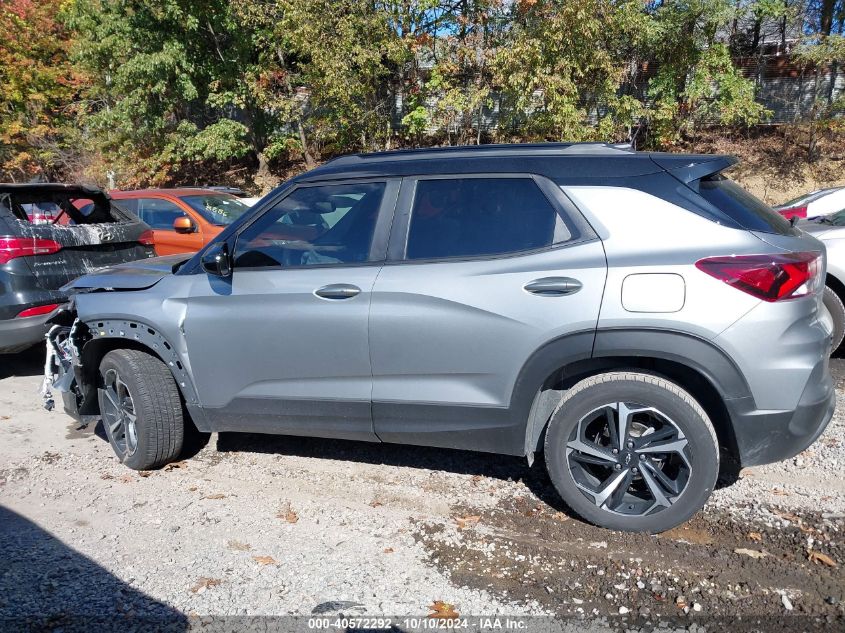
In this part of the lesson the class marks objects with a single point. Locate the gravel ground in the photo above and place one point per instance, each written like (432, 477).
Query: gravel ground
(260, 525)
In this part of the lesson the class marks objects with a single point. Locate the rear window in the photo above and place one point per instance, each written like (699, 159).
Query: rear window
(55, 206)
(743, 208)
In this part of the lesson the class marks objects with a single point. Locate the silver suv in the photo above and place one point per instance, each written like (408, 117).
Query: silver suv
(636, 317)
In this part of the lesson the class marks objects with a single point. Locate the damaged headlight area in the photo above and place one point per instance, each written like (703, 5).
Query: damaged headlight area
(63, 366)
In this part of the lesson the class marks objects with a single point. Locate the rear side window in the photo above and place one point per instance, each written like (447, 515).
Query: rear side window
(743, 208)
(128, 203)
(470, 217)
(158, 213)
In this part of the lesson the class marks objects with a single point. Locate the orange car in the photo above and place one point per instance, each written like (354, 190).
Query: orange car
(182, 220)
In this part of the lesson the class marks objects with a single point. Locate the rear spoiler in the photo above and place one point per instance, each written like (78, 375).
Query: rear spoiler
(689, 168)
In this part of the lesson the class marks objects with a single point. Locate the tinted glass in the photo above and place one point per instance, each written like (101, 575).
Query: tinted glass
(158, 213)
(332, 224)
(130, 204)
(218, 209)
(836, 219)
(746, 210)
(467, 217)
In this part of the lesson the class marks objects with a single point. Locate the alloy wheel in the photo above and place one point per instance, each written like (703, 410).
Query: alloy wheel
(628, 458)
(119, 415)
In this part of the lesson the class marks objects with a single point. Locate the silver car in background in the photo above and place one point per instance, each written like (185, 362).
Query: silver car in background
(830, 229)
(636, 317)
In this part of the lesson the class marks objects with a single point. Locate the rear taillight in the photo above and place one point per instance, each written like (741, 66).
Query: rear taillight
(768, 277)
(12, 247)
(146, 238)
(38, 311)
(794, 212)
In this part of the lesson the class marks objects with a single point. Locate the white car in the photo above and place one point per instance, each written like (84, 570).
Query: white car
(814, 204)
(830, 229)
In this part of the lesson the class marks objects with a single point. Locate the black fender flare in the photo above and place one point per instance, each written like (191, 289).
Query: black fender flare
(554, 355)
(138, 333)
(585, 353)
(697, 353)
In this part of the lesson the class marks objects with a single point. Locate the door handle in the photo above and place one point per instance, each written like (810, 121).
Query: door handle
(553, 286)
(337, 291)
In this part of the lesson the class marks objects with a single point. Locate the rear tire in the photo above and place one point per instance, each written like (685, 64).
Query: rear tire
(836, 309)
(631, 451)
(141, 409)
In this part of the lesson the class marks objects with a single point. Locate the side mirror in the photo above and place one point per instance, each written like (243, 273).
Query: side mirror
(216, 260)
(183, 224)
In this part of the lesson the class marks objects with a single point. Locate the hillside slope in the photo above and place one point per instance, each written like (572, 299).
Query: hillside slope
(773, 161)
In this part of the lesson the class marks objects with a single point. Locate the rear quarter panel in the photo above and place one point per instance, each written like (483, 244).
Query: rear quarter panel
(775, 345)
(646, 235)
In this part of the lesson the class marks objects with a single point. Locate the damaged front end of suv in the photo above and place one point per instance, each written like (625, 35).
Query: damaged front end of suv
(81, 333)
(63, 368)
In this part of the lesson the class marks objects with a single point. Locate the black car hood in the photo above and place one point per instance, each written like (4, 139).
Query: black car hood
(138, 275)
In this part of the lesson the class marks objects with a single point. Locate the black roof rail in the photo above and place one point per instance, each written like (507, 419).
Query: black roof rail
(502, 149)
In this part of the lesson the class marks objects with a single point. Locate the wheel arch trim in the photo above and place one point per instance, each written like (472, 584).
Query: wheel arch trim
(140, 334)
(610, 346)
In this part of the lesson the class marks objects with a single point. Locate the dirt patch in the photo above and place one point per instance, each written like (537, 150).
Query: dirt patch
(524, 549)
(395, 529)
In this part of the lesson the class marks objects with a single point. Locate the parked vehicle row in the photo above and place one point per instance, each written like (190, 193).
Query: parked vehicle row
(830, 229)
(40, 253)
(814, 204)
(182, 220)
(636, 317)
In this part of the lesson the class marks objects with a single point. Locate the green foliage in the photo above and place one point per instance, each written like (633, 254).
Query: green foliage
(166, 90)
(163, 82)
(696, 81)
(564, 63)
(416, 121)
(38, 83)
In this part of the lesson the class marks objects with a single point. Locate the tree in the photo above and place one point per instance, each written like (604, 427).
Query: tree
(38, 83)
(347, 53)
(563, 63)
(163, 84)
(696, 80)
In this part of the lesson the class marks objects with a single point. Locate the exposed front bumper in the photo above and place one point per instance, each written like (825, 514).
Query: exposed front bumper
(764, 437)
(18, 334)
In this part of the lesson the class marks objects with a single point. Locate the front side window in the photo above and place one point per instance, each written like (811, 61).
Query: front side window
(470, 217)
(159, 213)
(326, 224)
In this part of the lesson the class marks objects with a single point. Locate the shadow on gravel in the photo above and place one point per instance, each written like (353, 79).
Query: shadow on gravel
(454, 461)
(45, 585)
(29, 362)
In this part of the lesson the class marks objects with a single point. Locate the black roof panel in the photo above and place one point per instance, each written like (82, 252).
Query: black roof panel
(558, 161)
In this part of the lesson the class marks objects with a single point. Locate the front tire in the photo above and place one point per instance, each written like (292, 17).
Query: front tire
(141, 409)
(631, 451)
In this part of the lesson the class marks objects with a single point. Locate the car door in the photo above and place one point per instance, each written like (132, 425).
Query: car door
(160, 213)
(483, 272)
(282, 345)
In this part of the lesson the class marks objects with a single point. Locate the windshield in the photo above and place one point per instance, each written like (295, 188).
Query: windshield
(219, 209)
(836, 218)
